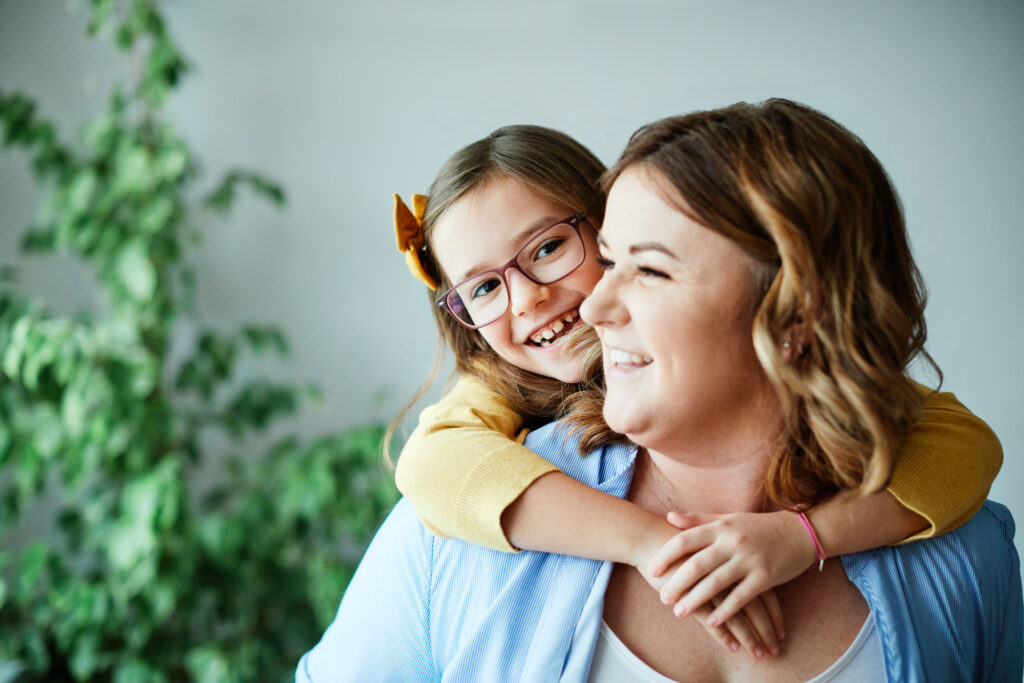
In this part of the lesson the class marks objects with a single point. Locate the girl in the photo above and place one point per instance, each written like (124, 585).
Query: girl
(505, 241)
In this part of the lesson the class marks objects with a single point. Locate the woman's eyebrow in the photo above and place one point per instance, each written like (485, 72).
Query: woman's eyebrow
(652, 246)
(642, 246)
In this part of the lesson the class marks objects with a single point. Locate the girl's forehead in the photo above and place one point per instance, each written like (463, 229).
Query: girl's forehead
(486, 226)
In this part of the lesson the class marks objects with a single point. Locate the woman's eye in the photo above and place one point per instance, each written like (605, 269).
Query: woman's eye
(605, 264)
(549, 247)
(484, 288)
(651, 272)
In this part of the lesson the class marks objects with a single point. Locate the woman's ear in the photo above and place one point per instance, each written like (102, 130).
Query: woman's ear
(796, 340)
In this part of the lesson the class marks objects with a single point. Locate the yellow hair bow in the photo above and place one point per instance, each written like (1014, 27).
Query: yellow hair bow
(409, 235)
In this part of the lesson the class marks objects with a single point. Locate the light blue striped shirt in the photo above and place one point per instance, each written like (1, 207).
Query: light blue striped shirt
(421, 608)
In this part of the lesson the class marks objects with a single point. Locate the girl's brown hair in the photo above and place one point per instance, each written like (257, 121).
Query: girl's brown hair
(553, 165)
(808, 201)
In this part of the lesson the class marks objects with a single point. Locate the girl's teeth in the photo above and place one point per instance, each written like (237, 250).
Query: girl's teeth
(544, 337)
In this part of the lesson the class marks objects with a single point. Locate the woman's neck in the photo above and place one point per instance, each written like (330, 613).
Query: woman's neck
(726, 479)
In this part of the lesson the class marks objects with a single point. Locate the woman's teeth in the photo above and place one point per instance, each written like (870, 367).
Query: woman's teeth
(617, 357)
(546, 336)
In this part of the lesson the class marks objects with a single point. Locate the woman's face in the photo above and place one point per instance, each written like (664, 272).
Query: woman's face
(674, 314)
(483, 230)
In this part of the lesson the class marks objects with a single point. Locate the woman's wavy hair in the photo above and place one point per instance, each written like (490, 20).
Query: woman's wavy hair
(807, 200)
(553, 165)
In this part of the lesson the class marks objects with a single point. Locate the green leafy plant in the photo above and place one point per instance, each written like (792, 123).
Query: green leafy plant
(147, 577)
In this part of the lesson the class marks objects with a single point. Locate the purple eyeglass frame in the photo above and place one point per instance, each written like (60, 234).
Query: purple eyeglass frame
(572, 221)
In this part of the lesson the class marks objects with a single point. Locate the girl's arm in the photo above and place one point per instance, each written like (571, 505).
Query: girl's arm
(946, 465)
(467, 477)
(942, 476)
(464, 464)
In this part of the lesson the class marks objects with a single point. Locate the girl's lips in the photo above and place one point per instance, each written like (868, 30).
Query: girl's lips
(555, 329)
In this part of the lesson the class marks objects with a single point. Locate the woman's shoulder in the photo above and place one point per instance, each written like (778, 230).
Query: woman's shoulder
(557, 443)
(983, 545)
(948, 607)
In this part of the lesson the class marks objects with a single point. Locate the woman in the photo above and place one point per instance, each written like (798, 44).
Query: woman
(771, 200)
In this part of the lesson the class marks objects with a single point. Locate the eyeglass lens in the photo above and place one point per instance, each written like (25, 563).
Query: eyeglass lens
(548, 256)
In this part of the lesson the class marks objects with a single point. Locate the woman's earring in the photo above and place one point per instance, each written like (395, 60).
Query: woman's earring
(786, 345)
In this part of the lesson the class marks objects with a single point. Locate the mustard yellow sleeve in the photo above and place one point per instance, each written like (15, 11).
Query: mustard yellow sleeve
(465, 463)
(947, 464)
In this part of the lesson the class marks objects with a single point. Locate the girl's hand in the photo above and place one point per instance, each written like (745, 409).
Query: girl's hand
(758, 628)
(747, 552)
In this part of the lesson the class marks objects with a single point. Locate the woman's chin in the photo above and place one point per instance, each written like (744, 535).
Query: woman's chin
(619, 421)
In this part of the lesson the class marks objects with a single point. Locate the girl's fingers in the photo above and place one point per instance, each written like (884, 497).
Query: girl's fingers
(746, 593)
(688, 520)
(677, 547)
(771, 603)
(743, 593)
(719, 633)
(693, 570)
(707, 587)
(757, 615)
(742, 630)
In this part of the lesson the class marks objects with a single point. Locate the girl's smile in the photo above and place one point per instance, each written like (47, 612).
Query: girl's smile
(483, 230)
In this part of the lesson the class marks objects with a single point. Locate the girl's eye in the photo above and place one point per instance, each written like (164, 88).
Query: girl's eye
(549, 247)
(484, 288)
(605, 264)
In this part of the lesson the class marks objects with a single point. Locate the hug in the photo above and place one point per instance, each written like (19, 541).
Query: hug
(706, 348)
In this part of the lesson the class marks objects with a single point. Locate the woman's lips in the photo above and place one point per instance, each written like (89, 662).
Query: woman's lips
(626, 359)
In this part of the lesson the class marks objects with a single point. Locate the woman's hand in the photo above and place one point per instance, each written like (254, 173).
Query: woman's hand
(735, 557)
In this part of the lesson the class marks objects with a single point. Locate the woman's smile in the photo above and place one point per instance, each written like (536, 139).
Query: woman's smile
(674, 313)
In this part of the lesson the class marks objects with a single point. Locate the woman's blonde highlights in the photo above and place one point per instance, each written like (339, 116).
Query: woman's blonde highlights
(814, 208)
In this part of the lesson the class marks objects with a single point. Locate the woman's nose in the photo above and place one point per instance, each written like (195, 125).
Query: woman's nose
(602, 307)
(524, 294)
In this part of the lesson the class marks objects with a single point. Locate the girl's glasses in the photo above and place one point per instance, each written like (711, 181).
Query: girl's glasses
(550, 255)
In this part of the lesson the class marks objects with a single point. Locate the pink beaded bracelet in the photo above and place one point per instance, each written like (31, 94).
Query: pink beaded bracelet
(818, 550)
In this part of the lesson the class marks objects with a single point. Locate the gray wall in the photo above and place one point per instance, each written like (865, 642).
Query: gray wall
(346, 102)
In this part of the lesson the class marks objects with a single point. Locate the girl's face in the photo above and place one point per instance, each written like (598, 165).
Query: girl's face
(483, 230)
(674, 312)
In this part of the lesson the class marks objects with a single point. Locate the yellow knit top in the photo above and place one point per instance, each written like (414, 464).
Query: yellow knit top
(465, 463)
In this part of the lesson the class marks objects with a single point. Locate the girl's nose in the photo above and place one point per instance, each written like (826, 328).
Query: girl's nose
(525, 295)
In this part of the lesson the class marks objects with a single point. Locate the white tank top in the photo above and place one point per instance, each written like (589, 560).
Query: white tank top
(614, 662)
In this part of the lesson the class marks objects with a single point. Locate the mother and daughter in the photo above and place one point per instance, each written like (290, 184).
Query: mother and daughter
(725, 343)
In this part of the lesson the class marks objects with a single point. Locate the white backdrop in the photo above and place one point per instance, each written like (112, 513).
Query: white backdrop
(346, 102)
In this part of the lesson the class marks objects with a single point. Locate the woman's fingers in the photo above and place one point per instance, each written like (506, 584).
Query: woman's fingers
(678, 547)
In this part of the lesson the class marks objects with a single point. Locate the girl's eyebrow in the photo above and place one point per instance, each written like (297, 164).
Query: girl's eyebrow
(518, 239)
